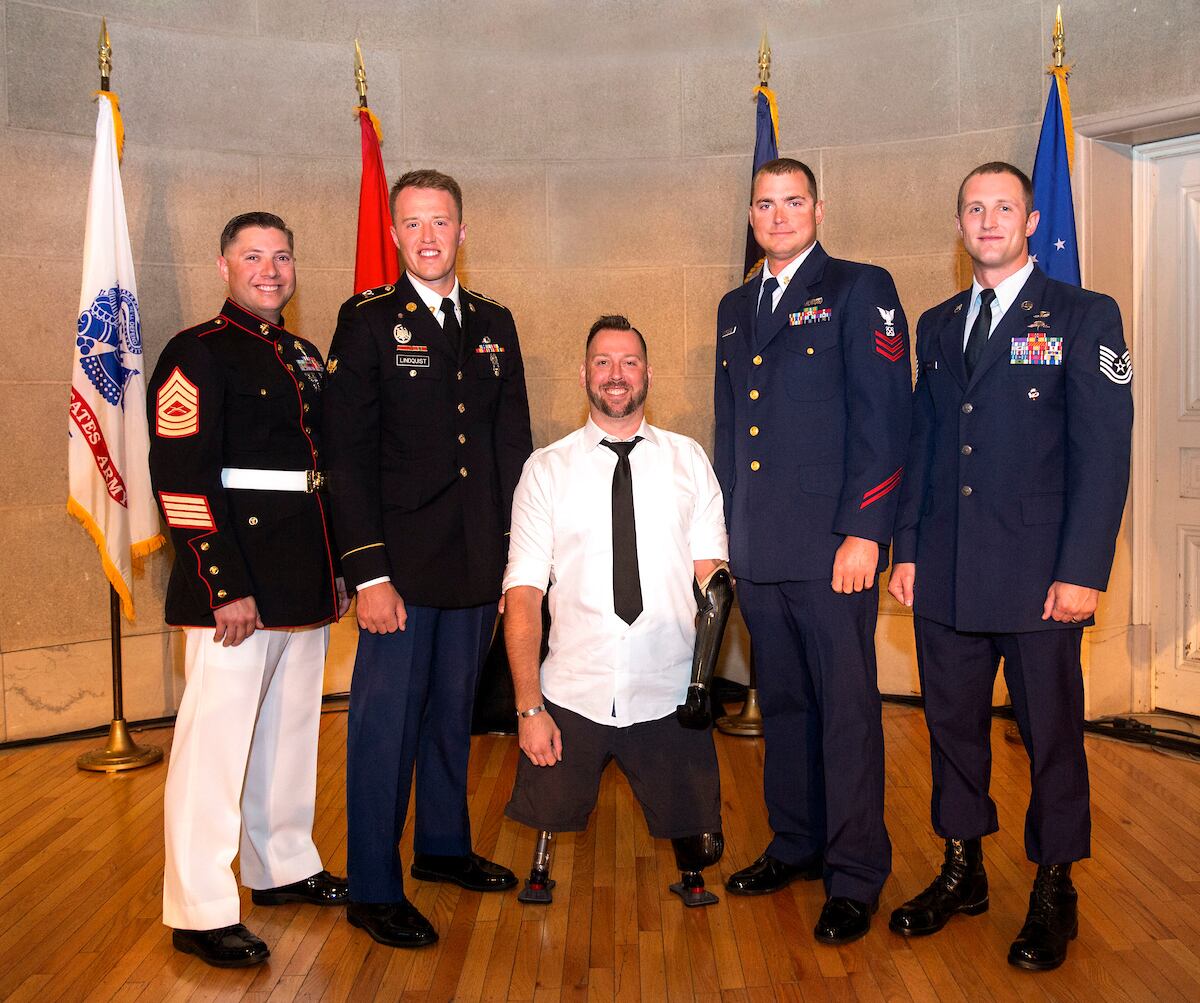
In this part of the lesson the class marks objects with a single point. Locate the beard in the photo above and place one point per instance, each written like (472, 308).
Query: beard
(606, 407)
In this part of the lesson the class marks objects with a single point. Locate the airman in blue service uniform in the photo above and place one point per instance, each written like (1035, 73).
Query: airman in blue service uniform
(1014, 488)
(235, 412)
(812, 401)
(427, 429)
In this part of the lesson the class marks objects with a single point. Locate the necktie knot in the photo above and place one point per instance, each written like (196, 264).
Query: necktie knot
(770, 284)
(987, 296)
(448, 309)
(622, 449)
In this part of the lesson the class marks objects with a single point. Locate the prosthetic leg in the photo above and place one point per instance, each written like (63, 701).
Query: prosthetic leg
(539, 883)
(714, 599)
(692, 855)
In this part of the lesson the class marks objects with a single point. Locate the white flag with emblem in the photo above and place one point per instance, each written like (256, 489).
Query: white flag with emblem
(108, 452)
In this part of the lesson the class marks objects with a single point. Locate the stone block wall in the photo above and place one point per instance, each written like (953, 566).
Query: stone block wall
(604, 150)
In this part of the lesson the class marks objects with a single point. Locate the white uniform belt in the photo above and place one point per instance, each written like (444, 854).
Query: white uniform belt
(245, 479)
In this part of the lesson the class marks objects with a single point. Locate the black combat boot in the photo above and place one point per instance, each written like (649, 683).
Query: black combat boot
(961, 886)
(1052, 922)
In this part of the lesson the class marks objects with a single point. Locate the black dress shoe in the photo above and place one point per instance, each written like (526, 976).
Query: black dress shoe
(768, 875)
(321, 888)
(961, 886)
(472, 872)
(843, 920)
(1051, 924)
(394, 924)
(227, 947)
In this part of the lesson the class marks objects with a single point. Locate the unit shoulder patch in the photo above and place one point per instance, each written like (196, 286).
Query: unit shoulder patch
(177, 407)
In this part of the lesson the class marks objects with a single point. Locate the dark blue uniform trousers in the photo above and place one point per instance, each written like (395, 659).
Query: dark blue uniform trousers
(1045, 682)
(814, 656)
(410, 702)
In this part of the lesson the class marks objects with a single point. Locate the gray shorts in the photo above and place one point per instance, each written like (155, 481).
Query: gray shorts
(672, 770)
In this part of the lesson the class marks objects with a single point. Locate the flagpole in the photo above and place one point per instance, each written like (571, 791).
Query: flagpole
(121, 752)
(748, 722)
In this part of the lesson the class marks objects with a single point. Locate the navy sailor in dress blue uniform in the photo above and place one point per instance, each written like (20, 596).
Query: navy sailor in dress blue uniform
(235, 411)
(427, 426)
(1014, 488)
(812, 410)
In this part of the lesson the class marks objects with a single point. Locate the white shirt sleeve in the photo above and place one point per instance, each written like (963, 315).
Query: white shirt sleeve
(373, 581)
(708, 536)
(531, 537)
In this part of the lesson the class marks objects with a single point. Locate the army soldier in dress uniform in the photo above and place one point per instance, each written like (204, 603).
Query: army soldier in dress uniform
(1014, 489)
(235, 409)
(427, 427)
(813, 395)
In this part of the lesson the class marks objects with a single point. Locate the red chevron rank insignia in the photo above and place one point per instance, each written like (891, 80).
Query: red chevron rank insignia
(891, 348)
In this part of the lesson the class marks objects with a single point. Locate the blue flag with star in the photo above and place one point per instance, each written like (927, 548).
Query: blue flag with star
(1053, 244)
(766, 147)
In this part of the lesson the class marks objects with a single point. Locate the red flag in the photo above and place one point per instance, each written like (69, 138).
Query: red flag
(375, 262)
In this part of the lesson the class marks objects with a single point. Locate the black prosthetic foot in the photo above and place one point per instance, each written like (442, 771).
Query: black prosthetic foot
(690, 888)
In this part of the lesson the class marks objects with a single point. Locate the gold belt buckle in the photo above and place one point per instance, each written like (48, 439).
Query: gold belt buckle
(314, 480)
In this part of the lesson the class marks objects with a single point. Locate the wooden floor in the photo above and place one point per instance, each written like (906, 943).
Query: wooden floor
(81, 885)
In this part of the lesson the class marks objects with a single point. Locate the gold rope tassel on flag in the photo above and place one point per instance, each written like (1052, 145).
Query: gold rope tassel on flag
(361, 110)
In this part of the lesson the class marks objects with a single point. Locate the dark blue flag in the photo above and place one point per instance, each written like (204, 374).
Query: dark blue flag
(1053, 244)
(766, 147)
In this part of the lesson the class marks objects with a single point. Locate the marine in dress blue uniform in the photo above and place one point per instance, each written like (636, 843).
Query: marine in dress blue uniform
(812, 406)
(1015, 484)
(427, 426)
(234, 411)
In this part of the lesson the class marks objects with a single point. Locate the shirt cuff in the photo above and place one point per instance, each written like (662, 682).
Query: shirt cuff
(373, 581)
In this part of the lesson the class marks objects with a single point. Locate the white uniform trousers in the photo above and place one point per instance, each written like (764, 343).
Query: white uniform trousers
(244, 759)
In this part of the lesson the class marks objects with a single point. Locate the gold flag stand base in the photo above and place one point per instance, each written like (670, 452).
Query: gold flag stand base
(747, 723)
(121, 752)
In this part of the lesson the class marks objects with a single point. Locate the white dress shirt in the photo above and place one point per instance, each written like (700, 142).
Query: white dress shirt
(433, 300)
(784, 276)
(1006, 293)
(600, 667)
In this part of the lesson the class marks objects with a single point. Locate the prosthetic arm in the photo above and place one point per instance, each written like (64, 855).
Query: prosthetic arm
(715, 601)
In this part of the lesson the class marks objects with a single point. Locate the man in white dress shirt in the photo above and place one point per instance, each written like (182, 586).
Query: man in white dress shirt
(622, 519)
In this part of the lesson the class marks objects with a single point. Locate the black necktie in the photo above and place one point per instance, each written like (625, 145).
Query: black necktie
(627, 580)
(766, 307)
(450, 326)
(980, 332)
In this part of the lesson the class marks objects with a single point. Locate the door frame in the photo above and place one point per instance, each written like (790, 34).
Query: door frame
(1113, 241)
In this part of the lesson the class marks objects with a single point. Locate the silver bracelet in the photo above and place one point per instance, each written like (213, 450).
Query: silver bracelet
(532, 711)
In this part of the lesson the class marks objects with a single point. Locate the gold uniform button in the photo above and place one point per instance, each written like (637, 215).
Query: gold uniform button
(754, 464)
(412, 372)
(291, 368)
(757, 360)
(458, 375)
(808, 351)
(754, 430)
(213, 569)
(278, 349)
(262, 391)
(307, 430)
(253, 520)
(204, 546)
(754, 395)
(462, 471)
(462, 439)
(221, 593)
(462, 408)
(307, 408)
(724, 363)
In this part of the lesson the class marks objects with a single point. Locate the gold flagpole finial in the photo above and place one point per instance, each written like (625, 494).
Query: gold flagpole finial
(105, 52)
(764, 61)
(360, 76)
(1059, 38)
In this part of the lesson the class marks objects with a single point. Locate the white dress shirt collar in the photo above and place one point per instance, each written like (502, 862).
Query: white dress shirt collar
(789, 270)
(432, 299)
(593, 434)
(1006, 293)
